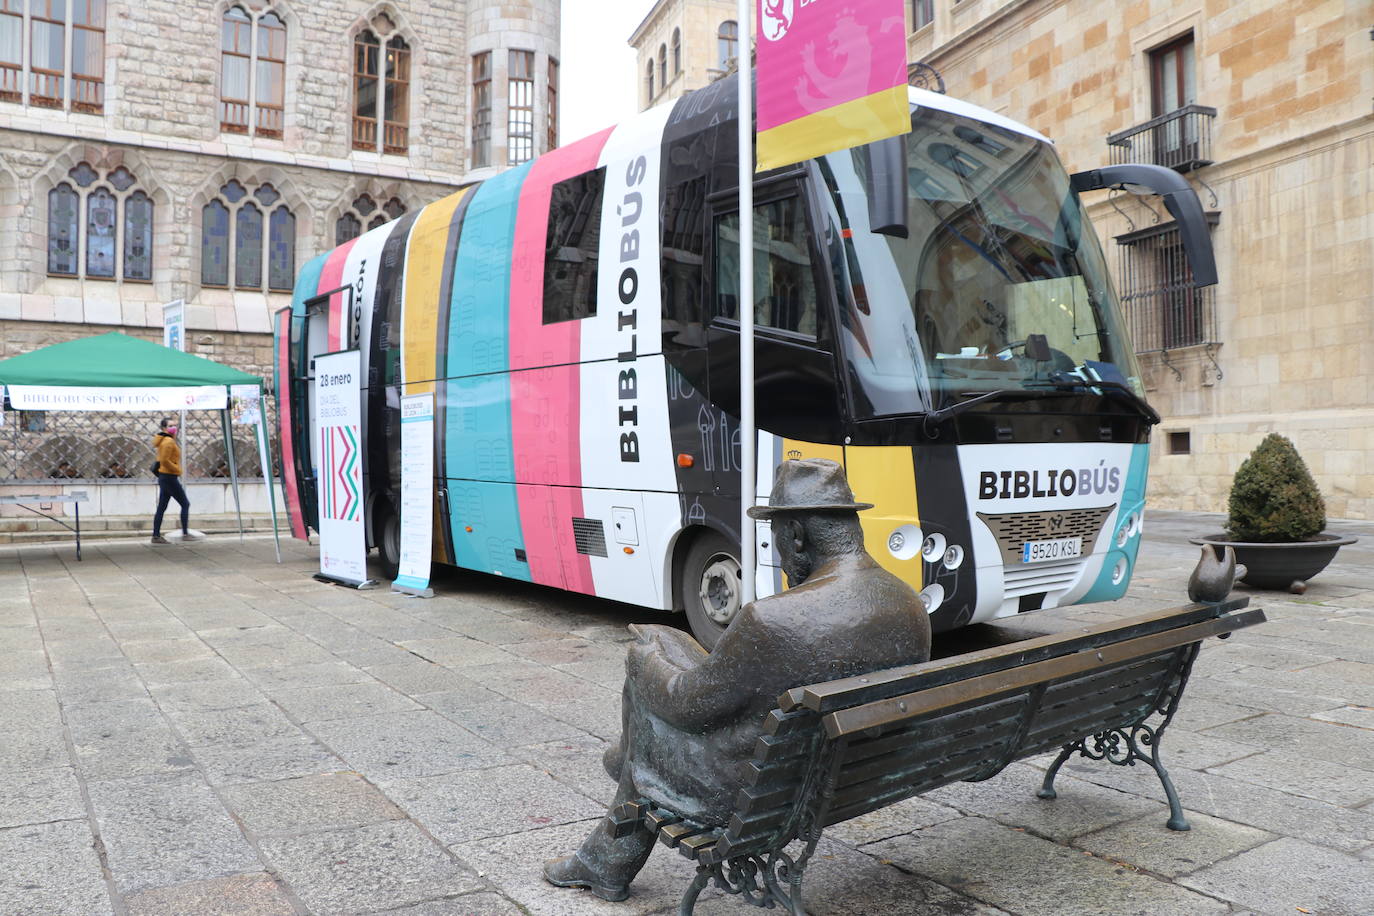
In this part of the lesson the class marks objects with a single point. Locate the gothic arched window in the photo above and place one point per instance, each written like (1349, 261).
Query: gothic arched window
(649, 80)
(381, 89)
(232, 233)
(365, 212)
(677, 51)
(663, 67)
(252, 88)
(87, 212)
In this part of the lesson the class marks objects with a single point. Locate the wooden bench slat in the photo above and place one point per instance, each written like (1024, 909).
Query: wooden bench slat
(852, 691)
(963, 721)
(848, 721)
(956, 763)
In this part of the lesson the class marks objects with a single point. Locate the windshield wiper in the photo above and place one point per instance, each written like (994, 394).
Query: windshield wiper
(935, 417)
(1066, 381)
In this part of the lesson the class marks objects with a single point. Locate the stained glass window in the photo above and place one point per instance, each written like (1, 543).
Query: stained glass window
(122, 179)
(63, 218)
(347, 227)
(248, 247)
(282, 250)
(394, 209)
(267, 195)
(233, 191)
(364, 205)
(138, 237)
(214, 244)
(378, 220)
(100, 233)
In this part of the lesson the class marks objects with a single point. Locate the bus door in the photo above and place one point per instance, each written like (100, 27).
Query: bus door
(309, 339)
(797, 389)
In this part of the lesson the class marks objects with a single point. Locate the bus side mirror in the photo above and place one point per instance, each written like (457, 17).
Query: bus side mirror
(1179, 199)
(885, 186)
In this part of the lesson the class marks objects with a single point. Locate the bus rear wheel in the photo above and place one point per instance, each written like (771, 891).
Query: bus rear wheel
(389, 541)
(711, 587)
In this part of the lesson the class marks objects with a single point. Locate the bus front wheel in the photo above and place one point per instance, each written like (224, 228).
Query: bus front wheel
(711, 587)
(389, 543)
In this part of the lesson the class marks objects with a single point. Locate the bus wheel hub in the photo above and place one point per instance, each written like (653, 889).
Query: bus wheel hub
(720, 589)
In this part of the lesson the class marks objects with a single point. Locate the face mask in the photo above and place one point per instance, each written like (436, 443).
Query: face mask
(171, 430)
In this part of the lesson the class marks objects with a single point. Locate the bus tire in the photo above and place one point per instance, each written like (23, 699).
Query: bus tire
(389, 540)
(711, 586)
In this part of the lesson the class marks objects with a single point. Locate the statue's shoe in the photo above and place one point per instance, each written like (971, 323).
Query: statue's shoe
(569, 871)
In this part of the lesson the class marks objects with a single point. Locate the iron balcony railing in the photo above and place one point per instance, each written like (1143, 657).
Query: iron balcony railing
(1180, 140)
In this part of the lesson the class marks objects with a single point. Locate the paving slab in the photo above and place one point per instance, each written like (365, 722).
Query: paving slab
(365, 869)
(1301, 774)
(40, 796)
(237, 895)
(270, 758)
(49, 869)
(1291, 876)
(1148, 844)
(1304, 736)
(575, 762)
(417, 676)
(1009, 798)
(238, 725)
(342, 701)
(406, 744)
(207, 695)
(501, 721)
(291, 806)
(1029, 875)
(457, 807)
(476, 904)
(165, 830)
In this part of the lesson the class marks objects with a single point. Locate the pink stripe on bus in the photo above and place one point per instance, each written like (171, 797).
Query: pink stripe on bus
(545, 402)
(331, 277)
(294, 516)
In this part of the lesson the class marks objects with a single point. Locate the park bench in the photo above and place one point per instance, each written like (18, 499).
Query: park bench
(841, 749)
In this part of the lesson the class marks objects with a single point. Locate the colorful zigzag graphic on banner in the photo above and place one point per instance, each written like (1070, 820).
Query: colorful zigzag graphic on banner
(341, 496)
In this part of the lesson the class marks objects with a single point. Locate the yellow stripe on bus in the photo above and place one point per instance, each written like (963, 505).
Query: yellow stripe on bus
(884, 475)
(420, 307)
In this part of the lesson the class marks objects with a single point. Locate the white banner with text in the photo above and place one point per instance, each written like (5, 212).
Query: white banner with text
(339, 463)
(417, 493)
(72, 397)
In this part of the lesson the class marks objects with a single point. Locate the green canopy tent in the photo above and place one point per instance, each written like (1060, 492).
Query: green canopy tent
(117, 372)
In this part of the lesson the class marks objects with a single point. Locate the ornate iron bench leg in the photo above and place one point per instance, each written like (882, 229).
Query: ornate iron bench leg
(689, 897)
(1047, 787)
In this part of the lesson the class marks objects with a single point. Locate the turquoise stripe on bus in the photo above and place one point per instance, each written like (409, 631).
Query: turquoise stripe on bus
(1132, 500)
(478, 459)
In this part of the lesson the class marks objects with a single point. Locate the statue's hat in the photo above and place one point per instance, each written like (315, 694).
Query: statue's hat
(809, 485)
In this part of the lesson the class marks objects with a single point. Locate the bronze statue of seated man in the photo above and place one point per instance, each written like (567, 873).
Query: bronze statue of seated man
(690, 718)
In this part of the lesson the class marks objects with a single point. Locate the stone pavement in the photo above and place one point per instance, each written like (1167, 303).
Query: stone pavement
(197, 730)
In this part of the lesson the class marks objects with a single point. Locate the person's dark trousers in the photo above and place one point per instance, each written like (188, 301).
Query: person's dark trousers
(168, 489)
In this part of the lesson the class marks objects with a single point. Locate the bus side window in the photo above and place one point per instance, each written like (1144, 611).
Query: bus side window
(784, 284)
(571, 247)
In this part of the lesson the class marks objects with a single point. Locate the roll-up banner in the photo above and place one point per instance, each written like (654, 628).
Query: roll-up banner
(174, 325)
(338, 441)
(417, 494)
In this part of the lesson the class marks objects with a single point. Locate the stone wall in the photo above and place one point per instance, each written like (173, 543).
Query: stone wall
(1292, 144)
(699, 22)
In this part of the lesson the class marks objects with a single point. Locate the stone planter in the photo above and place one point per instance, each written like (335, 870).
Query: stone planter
(1281, 565)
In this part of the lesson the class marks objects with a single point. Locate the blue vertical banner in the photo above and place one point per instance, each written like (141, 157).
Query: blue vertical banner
(417, 494)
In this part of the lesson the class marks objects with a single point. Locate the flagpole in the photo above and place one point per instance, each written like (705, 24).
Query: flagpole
(748, 436)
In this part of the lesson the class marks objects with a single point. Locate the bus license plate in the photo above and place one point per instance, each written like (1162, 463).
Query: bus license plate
(1061, 549)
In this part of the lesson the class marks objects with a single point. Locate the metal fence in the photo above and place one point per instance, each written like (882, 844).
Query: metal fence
(115, 447)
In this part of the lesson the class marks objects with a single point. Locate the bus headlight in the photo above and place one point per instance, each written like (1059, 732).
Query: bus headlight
(904, 542)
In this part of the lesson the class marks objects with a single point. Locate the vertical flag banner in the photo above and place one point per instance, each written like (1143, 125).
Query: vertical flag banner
(831, 75)
(417, 494)
(338, 420)
(174, 325)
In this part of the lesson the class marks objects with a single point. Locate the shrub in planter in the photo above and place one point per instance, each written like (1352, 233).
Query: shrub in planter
(1273, 497)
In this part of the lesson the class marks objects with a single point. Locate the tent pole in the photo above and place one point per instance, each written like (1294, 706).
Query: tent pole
(233, 466)
(265, 459)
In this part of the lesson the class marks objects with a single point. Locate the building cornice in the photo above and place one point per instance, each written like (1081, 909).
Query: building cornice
(378, 168)
(644, 24)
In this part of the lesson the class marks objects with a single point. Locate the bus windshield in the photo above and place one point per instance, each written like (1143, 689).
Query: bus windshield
(1000, 262)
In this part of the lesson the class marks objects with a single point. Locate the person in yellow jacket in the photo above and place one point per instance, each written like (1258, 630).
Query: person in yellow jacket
(169, 481)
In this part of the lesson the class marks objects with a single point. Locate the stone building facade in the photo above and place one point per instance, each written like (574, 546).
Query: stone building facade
(683, 45)
(204, 149)
(1286, 166)
(162, 121)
